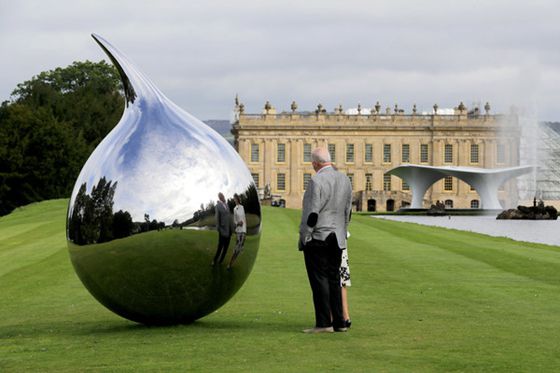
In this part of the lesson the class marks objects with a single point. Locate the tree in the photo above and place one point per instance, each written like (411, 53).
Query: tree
(49, 128)
(122, 224)
(85, 94)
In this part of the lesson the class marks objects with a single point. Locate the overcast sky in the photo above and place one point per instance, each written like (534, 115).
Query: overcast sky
(201, 53)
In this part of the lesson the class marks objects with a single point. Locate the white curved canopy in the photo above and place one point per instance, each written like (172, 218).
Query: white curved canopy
(486, 181)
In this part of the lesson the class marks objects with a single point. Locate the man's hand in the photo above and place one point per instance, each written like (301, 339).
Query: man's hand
(304, 238)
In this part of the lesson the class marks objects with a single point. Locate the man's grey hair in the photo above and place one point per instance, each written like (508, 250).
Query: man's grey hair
(321, 155)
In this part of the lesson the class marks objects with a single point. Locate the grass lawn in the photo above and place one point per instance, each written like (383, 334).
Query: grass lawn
(424, 299)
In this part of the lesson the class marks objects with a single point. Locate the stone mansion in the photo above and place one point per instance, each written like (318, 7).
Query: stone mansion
(365, 143)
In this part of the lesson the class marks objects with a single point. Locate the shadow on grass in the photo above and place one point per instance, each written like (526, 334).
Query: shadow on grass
(124, 327)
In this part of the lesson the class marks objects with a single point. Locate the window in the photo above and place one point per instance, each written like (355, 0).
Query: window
(387, 153)
(405, 153)
(368, 155)
(448, 183)
(405, 185)
(472, 188)
(475, 204)
(369, 182)
(387, 183)
(448, 204)
(281, 181)
(349, 153)
(254, 152)
(307, 152)
(423, 153)
(474, 153)
(256, 179)
(351, 178)
(448, 153)
(501, 153)
(281, 153)
(332, 152)
(306, 178)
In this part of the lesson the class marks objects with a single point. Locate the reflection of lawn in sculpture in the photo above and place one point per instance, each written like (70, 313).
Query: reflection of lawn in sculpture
(162, 272)
(423, 299)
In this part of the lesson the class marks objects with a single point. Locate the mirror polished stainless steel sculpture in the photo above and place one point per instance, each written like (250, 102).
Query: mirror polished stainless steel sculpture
(141, 225)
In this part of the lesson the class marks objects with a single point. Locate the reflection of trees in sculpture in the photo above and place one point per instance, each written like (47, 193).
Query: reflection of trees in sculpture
(122, 224)
(92, 218)
(250, 201)
(102, 199)
(93, 221)
(199, 215)
(151, 225)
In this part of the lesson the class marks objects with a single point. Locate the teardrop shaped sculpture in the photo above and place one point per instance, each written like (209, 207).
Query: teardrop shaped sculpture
(142, 223)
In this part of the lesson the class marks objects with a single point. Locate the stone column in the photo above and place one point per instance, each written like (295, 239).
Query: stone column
(358, 152)
(293, 162)
(462, 159)
(244, 150)
(415, 151)
(437, 152)
(296, 155)
(489, 153)
(267, 161)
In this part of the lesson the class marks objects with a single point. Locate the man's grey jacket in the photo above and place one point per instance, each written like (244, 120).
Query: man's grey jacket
(223, 220)
(327, 204)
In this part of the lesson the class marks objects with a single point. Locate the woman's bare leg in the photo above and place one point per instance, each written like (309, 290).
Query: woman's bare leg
(345, 311)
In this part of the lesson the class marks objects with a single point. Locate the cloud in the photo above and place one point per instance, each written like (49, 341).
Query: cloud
(201, 53)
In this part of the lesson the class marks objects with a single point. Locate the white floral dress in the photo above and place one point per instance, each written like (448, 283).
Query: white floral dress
(345, 270)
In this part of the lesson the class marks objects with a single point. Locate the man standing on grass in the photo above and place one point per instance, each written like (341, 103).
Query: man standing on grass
(223, 226)
(327, 204)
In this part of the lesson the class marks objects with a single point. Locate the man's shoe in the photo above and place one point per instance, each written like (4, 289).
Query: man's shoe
(341, 329)
(315, 330)
(347, 323)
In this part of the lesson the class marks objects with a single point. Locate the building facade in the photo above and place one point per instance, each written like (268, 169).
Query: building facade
(277, 149)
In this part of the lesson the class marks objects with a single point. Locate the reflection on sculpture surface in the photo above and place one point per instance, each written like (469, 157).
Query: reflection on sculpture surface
(141, 221)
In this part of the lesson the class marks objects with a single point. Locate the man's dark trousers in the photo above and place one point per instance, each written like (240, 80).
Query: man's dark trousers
(322, 261)
(223, 244)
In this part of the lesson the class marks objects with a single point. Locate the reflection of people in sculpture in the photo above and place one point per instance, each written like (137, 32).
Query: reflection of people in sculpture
(240, 228)
(223, 227)
(327, 203)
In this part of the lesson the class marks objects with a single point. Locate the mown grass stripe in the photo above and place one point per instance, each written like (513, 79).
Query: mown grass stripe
(423, 299)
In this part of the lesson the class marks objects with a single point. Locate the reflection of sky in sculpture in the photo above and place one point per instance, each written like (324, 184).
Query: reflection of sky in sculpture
(145, 151)
(152, 146)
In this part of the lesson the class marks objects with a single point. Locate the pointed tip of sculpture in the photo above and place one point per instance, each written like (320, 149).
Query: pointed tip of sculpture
(98, 38)
(120, 64)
